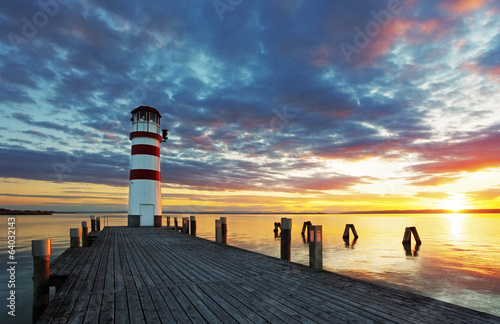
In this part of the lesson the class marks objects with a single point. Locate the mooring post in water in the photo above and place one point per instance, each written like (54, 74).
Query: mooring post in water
(316, 247)
(218, 231)
(407, 235)
(275, 230)
(85, 234)
(40, 250)
(286, 238)
(75, 235)
(92, 222)
(193, 225)
(98, 223)
(168, 222)
(346, 232)
(305, 229)
(223, 227)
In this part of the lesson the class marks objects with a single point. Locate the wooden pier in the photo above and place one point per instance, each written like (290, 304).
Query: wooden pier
(155, 275)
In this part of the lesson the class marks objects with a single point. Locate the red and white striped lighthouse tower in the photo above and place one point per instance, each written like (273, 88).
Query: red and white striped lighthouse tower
(144, 200)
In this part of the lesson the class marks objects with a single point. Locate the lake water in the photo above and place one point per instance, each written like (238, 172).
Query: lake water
(458, 261)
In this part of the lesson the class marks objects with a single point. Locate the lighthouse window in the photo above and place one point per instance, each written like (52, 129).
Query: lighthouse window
(152, 117)
(142, 115)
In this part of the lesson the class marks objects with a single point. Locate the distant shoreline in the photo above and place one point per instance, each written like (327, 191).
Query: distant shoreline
(4, 211)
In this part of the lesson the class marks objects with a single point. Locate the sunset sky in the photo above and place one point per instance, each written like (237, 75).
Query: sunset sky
(271, 106)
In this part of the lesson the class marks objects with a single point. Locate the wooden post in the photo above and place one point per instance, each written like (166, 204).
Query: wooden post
(168, 222)
(185, 225)
(157, 220)
(193, 225)
(218, 231)
(85, 233)
(316, 247)
(92, 222)
(305, 229)
(407, 236)
(275, 230)
(98, 223)
(223, 226)
(75, 237)
(354, 232)
(346, 232)
(286, 238)
(176, 224)
(415, 234)
(40, 250)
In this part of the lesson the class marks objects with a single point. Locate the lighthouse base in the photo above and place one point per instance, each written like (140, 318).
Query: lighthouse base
(134, 220)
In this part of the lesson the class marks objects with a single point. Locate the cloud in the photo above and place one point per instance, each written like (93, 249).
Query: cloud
(432, 195)
(462, 6)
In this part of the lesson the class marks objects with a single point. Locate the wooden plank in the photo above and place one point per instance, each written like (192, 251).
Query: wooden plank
(199, 305)
(134, 307)
(174, 307)
(161, 307)
(190, 310)
(121, 307)
(223, 304)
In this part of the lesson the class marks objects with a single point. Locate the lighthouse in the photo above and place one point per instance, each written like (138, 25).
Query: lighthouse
(144, 200)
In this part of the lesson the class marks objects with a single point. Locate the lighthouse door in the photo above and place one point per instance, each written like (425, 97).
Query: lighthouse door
(147, 215)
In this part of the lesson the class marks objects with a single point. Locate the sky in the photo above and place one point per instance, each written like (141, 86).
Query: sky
(271, 106)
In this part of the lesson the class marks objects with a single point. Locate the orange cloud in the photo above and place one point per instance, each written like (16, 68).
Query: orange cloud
(462, 6)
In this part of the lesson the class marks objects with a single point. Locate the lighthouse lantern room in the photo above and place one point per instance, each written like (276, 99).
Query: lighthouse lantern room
(144, 203)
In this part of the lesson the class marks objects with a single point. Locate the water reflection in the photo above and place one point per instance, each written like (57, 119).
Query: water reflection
(350, 245)
(409, 251)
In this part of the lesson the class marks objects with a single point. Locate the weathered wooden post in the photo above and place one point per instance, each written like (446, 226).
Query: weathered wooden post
(40, 250)
(218, 231)
(168, 222)
(305, 229)
(223, 227)
(157, 220)
(92, 222)
(85, 234)
(98, 223)
(286, 238)
(316, 247)
(193, 225)
(407, 241)
(185, 225)
(75, 235)
(275, 230)
(176, 224)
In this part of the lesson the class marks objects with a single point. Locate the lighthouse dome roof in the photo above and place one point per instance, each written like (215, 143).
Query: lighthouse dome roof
(145, 108)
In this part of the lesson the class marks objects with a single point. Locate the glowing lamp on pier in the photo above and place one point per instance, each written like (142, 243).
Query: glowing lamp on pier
(144, 202)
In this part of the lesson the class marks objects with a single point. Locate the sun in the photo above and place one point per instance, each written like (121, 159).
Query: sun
(455, 202)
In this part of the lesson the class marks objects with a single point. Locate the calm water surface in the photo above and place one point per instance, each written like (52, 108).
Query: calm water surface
(458, 261)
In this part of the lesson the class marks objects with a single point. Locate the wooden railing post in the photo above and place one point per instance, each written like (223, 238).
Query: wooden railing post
(92, 222)
(98, 224)
(40, 250)
(193, 225)
(218, 231)
(286, 238)
(85, 233)
(75, 235)
(316, 247)
(168, 222)
(223, 225)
